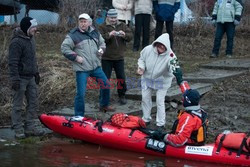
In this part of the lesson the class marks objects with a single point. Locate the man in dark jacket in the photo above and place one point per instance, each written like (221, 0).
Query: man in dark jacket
(164, 12)
(24, 78)
(116, 34)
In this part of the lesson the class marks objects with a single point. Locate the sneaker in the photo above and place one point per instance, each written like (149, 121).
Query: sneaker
(107, 109)
(20, 136)
(229, 56)
(213, 55)
(35, 132)
(123, 100)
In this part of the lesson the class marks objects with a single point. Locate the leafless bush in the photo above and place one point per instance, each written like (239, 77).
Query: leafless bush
(4, 49)
(58, 84)
(246, 13)
(5, 91)
(202, 8)
(73, 8)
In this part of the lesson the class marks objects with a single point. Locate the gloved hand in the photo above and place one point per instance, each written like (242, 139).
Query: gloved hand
(214, 23)
(178, 75)
(158, 135)
(15, 85)
(214, 18)
(237, 19)
(37, 78)
(236, 22)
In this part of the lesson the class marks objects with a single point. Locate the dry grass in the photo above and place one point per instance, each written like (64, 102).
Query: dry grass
(193, 44)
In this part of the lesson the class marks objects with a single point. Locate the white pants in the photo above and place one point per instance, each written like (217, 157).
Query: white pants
(147, 105)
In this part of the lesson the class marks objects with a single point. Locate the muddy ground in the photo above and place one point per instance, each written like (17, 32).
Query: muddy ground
(228, 104)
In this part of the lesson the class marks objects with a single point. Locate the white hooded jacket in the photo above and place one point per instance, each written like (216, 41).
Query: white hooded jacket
(158, 68)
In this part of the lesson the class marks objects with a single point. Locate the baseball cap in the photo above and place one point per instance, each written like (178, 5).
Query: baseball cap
(84, 16)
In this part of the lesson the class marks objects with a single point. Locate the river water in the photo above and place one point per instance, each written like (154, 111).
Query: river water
(57, 152)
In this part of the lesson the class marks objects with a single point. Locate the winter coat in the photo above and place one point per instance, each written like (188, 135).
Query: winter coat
(124, 9)
(22, 56)
(143, 7)
(84, 44)
(116, 45)
(158, 69)
(187, 124)
(165, 9)
(227, 10)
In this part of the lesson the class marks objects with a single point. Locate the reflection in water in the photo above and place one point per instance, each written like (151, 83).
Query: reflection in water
(58, 153)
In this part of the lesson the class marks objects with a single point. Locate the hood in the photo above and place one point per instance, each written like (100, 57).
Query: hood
(164, 39)
(19, 33)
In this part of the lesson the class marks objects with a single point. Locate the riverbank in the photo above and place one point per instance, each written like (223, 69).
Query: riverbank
(227, 104)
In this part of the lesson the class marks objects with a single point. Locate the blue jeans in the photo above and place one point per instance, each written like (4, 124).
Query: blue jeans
(229, 29)
(81, 84)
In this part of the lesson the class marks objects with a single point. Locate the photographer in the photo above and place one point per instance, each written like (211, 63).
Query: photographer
(116, 34)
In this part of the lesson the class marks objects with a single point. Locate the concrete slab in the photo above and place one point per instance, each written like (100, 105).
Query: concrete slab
(211, 75)
(173, 93)
(229, 64)
(92, 109)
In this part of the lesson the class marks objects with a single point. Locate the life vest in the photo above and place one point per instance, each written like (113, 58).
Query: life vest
(198, 136)
(235, 140)
(127, 121)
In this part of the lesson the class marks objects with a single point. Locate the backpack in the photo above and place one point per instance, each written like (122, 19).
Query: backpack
(126, 121)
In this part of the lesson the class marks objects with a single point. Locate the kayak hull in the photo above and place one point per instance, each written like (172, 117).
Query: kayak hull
(137, 141)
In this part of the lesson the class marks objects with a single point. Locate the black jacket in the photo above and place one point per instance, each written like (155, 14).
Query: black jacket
(22, 56)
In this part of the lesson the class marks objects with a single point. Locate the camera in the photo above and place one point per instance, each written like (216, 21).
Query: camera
(117, 33)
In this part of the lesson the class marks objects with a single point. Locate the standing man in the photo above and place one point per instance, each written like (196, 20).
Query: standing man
(116, 34)
(24, 77)
(84, 46)
(157, 65)
(143, 11)
(226, 15)
(164, 12)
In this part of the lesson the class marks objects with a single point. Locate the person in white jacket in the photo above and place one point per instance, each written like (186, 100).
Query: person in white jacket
(124, 10)
(157, 66)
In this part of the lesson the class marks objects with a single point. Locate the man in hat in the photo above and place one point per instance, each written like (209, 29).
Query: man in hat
(84, 46)
(116, 35)
(186, 129)
(24, 77)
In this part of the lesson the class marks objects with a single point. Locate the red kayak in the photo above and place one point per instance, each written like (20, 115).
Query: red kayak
(137, 141)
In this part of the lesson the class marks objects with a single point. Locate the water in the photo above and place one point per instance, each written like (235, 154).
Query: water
(57, 152)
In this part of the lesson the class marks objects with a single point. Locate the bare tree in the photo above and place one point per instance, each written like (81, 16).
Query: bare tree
(71, 9)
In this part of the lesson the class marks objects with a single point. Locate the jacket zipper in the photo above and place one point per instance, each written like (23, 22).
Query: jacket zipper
(154, 67)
